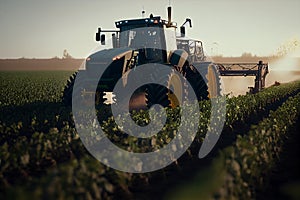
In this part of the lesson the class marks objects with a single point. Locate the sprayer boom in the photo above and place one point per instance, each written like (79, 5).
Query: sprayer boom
(259, 70)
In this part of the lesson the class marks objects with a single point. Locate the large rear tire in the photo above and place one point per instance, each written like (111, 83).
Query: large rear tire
(68, 90)
(206, 82)
(156, 94)
(171, 95)
(213, 81)
(198, 83)
(86, 95)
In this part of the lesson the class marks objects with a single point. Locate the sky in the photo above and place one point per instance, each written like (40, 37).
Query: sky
(43, 28)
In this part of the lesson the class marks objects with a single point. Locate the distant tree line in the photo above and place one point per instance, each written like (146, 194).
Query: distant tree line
(66, 55)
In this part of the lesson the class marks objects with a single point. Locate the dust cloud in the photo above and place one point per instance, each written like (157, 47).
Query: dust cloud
(238, 85)
(283, 70)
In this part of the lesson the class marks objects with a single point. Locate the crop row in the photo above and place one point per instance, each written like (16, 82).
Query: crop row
(40, 146)
(19, 88)
(243, 168)
(238, 109)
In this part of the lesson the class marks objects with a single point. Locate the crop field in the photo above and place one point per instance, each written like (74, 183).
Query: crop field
(43, 157)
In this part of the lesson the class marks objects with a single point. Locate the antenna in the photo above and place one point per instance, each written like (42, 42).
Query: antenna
(169, 15)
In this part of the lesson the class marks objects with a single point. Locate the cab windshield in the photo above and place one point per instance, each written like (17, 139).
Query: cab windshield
(148, 41)
(146, 37)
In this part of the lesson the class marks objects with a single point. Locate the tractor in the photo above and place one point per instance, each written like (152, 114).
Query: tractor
(153, 41)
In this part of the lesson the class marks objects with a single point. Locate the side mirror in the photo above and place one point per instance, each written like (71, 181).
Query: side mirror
(102, 39)
(98, 35)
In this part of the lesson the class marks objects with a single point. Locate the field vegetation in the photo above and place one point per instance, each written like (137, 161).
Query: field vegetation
(42, 156)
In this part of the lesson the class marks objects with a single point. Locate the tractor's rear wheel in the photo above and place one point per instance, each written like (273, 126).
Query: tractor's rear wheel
(176, 90)
(86, 95)
(68, 90)
(198, 83)
(170, 95)
(156, 94)
(206, 82)
(213, 82)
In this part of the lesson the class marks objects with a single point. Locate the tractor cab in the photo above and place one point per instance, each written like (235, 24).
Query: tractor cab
(152, 38)
(146, 36)
(193, 47)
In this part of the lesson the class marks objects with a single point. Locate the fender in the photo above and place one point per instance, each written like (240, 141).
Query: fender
(178, 57)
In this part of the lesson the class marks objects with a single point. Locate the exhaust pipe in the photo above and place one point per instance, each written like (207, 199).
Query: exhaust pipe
(169, 15)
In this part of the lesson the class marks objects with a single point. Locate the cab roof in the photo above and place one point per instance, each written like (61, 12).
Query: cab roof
(140, 22)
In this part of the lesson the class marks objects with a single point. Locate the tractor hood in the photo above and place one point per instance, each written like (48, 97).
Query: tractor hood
(106, 56)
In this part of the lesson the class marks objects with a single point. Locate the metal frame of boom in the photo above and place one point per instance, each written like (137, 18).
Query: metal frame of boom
(259, 70)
